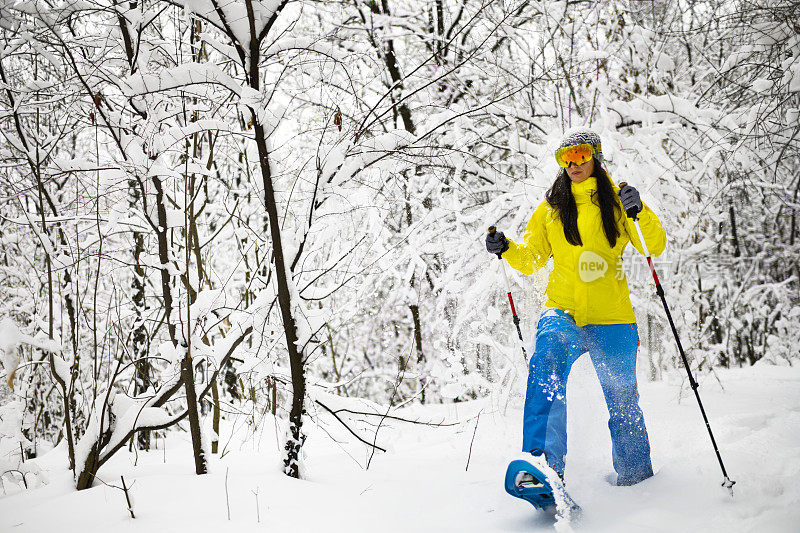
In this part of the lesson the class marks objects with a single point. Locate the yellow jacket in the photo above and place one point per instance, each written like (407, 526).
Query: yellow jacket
(587, 281)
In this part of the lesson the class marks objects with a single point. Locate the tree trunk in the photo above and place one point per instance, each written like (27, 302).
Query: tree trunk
(166, 289)
(140, 346)
(420, 354)
(89, 468)
(187, 370)
(296, 437)
(216, 416)
(140, 337)
(295, 441)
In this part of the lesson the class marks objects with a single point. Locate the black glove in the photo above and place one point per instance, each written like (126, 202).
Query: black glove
(631, 202)
(496, 242)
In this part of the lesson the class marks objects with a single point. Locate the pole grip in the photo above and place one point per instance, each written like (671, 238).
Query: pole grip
(632, 212)
(492, 231)
(635, 218)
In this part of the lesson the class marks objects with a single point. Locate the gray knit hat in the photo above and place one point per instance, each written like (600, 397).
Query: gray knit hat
(577, 136)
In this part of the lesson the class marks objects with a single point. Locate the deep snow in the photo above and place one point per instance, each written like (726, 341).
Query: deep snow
(421, 484)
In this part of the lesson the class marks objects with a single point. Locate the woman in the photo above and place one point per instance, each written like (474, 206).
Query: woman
(583, 227)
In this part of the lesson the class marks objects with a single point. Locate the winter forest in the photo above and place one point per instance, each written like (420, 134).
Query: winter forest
(244, 239)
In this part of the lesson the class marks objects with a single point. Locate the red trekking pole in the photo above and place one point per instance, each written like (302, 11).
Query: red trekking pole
(492, 230)
(633, 213)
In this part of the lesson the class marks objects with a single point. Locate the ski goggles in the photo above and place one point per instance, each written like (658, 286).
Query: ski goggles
(578, 154)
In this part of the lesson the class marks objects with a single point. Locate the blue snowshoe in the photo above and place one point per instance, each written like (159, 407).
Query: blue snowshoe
(525, 481)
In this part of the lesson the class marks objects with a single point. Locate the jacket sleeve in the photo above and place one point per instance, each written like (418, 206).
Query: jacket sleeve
(534, 251)
(654, 235)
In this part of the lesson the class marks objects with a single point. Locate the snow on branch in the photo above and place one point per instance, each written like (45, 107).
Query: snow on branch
(313, 45)
(138, 414)
(10, 339)
(181, 76)
(174, 135)
(232, 14)
(665, 108)
(339, 168)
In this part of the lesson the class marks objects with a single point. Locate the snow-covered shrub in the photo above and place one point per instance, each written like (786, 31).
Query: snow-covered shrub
(17, 471)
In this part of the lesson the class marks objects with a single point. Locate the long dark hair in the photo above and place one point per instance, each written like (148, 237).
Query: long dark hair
(560, 197)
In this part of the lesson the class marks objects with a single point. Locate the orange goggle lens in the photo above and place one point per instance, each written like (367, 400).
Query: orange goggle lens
(578, 154)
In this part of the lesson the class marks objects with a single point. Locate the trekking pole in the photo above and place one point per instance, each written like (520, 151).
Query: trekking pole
(492, 230)
(727, 482)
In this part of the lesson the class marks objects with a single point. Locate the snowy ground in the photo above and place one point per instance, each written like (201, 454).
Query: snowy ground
(421, 484)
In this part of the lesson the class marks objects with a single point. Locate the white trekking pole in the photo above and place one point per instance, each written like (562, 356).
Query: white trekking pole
(633, 213)
(492, 231)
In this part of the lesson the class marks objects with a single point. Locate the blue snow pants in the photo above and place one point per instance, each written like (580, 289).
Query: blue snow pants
(559, 343)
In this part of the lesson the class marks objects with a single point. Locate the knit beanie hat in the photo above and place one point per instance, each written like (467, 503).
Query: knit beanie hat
(577, 136)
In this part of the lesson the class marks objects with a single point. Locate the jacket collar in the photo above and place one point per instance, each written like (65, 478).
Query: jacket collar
(584, 190)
